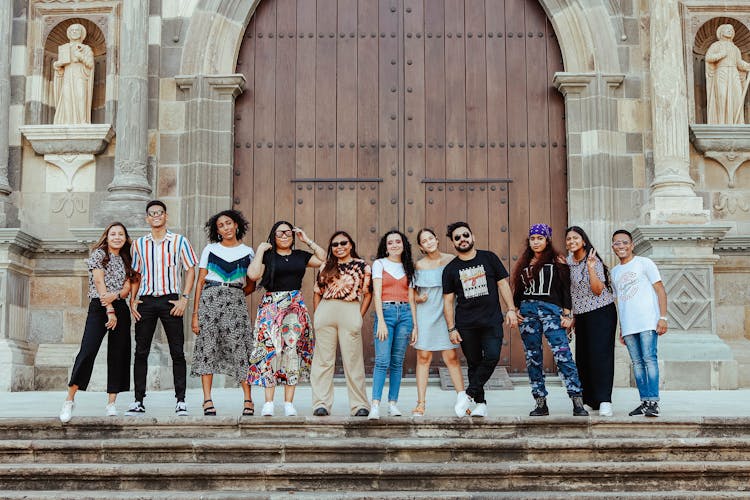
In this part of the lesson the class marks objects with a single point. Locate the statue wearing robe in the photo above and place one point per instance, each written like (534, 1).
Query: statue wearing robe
(74, 79)
(726, 79)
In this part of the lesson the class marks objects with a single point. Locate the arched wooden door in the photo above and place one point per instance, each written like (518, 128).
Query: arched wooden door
(366, 115)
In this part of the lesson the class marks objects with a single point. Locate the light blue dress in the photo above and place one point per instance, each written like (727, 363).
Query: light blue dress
(433, 330)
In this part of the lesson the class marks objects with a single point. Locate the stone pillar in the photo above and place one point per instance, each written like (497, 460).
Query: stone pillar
(7, 212)
(17, 354)
(130, 188)
(673, 199)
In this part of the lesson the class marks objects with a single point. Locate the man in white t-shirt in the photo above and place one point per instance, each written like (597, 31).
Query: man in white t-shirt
(642, 308)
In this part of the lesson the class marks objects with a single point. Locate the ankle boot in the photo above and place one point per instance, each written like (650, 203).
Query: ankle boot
(578, 409)
(540, 410)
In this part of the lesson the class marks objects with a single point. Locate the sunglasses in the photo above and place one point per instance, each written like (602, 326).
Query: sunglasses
(284, 232)
(335, 244)
(156, 213)
(465, 236)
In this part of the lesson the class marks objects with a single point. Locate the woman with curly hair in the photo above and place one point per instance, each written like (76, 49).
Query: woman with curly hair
(541, 290)
(110, 276)
(220, 317)
(342, 296)
(283, 330)
(395, 313)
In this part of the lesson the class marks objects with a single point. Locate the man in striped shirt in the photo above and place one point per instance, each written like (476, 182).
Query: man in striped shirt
(160, 258)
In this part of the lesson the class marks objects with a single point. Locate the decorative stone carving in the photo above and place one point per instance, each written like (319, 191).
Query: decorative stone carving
(74, 79)
(726, 85)
(728, 145)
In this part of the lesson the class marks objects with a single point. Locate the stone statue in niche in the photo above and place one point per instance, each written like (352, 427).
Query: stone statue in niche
(74, 79)
(726, 79)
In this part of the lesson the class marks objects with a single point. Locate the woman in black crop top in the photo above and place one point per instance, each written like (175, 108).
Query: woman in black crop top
(541, 291)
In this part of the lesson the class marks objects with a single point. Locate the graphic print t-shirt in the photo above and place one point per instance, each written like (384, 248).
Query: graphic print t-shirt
(637, 303)
(475, 284)
(226, 264)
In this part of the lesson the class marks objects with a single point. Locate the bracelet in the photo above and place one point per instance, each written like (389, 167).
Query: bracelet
(451, 330)
(110, 311)
(664, 319)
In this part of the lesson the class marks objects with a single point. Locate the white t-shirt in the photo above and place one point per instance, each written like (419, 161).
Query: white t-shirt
(395, 269)
(637, 302)
(226, 264)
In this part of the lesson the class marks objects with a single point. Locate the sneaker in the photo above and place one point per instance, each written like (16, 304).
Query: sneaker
(463, 402)
(605, 410)
(480, 410)
(374, 412)
(651, 409)
(136, 408)
(639, 410)
(267, 410)
(67, 411)
(289, 410)
(362, 412)
(111, 410)
(181, 409)
(320, 412)
(393, 410)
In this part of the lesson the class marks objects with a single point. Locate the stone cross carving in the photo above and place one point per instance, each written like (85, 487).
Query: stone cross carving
(726, 79)
(74, 79)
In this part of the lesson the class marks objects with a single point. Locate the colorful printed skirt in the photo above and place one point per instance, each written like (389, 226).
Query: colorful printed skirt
(284, 341)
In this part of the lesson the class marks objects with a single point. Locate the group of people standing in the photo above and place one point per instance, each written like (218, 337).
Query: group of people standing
(437, 304)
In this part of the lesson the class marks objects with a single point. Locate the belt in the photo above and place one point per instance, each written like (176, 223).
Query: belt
(393, 302)
(209, 284)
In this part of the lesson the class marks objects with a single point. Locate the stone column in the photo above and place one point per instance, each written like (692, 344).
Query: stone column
(6, 23)
(673, 199)
(130, 188)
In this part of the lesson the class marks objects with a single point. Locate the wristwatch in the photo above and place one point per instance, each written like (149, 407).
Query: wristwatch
(185, 295)
(664, 318)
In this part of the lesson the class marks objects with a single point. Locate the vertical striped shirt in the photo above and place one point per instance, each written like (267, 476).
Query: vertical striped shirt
(161, 264)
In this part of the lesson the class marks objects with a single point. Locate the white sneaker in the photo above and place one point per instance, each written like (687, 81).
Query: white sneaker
(463, 402)
(393, 410)
(67, 411)
(289, 410)
(181, 409)
(267, 410)
(111, 410)
(374, 412)
(480, 410)
(605, 410)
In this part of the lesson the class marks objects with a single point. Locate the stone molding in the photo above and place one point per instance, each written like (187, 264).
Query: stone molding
(68, 139)
(221, 87)
(734, 245)
(19, 241)
(579, 83)
(729, 145)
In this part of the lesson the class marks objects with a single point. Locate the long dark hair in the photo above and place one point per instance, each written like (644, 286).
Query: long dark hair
(270, 262)
(235, 215)
(127, 259)
(588, 246)
(406, 258)
(330, 270)
(548, 256)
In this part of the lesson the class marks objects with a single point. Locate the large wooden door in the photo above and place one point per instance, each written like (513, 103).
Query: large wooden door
(366, 115)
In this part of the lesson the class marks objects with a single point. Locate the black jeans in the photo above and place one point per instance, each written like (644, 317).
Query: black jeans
(481, 348)
(118, 348)
(152, 309)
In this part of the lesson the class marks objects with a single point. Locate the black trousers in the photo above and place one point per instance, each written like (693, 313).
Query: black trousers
(118, 348)
(151, 310)
(595, 354)
(481, 348)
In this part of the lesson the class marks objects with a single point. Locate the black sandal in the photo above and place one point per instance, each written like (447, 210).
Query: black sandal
(248, 410)
(209, 411)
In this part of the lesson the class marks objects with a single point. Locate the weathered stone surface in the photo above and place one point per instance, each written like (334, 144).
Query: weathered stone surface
(56, 292)
(46, 326)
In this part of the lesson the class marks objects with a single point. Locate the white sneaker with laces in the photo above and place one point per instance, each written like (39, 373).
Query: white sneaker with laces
(181, 409)
(267, 410)
(374, 412)
(393, 410)
(136, 408)
(480, 410)
(67, 411)
(289, 410)
(463, 402)
(111, 410)
(605, 410)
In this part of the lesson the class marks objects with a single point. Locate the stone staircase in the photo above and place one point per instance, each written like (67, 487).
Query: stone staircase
(307, 457)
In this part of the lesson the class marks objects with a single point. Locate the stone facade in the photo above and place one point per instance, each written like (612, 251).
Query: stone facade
(168, 86)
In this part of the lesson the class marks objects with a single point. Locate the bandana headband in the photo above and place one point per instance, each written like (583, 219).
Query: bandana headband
(542, 230)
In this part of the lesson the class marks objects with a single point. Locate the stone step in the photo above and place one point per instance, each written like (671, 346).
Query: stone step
(351, 427)
(361, 450)
(418, 477)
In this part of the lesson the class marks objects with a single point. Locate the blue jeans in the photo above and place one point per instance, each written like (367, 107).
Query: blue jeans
(543, 318)
(389, 353)
(642, 349)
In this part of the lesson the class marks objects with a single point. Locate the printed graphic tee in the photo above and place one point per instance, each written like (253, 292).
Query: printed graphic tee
(226, 264)
(637, 303)
(475, 284)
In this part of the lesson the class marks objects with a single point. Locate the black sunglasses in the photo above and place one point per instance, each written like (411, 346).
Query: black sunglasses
(335, 244)
(457, 237)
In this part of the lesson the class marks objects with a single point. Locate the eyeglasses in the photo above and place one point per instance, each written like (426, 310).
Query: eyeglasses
(620, 243)
(465, 236)
(283, 232)
(156, 213)
(335, 244)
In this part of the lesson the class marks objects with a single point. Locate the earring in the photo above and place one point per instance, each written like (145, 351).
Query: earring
(220, 238)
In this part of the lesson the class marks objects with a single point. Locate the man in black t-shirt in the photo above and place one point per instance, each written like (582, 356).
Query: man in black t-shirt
(474, 283)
